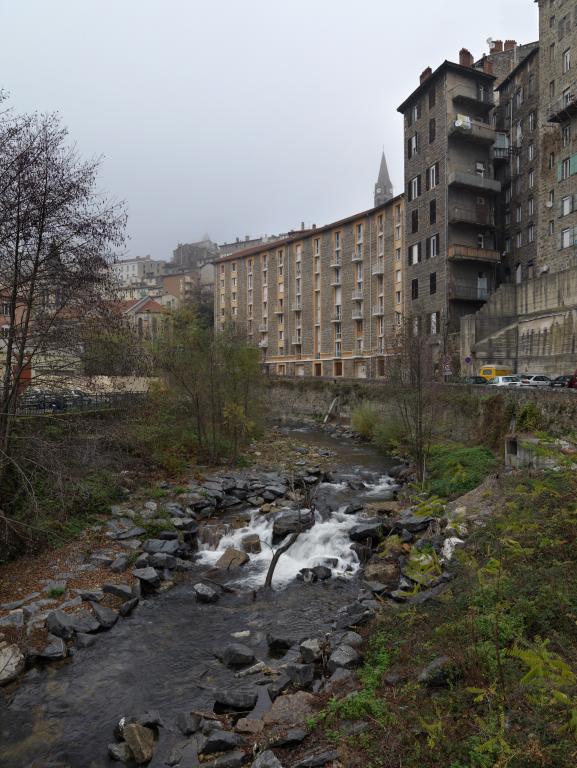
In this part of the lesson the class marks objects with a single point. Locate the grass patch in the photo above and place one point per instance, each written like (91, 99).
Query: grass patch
(456, 469)
(508, 623)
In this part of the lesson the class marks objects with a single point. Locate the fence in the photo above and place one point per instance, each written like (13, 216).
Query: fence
(67, 402)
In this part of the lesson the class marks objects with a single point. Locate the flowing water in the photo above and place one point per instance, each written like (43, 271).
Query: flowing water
(162, 657)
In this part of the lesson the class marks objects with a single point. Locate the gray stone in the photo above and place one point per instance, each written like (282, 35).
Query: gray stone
(58, 586)
(251, 543)
(91, 596)
(12, 663)
(152, 546)
(127, 607)
(353, 509)
(439, 673)
(235, 700)
(255, 501)
(301, 675)
(310, 651)
(322, 572)
(318, 760)
(84, 622)
(291, 738)
(162, 560)
(84, 641)
(237, 655)
(182, 565)
(344, 657)
(133, 533)
(188, 723)
(132, 544)
(120, 752)
(279, 686)
(141, 742)
(205, 594)
(13, 619)
(220, 741)
(149, 577)
(60, 624)
(142, 560)
(55, 649)
(232, 558)
(278, 642)
(101, 561)
(233, 760)
(74, 603)
(371, 531)
(124, 591)
(414, 523)
(352, 638)
(106, 617)
(120, 564)
(267, 760)
(291, 522)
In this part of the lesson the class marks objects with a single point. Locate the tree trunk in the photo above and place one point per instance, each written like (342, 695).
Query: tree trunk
(275, 558)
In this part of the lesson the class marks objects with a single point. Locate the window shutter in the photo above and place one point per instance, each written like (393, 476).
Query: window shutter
(437, 173)
(559, 171)
(428, 248)
(409, 148)
(420, 252)
(419, 185)
(438, 243)
(573, 165)
(428, 180)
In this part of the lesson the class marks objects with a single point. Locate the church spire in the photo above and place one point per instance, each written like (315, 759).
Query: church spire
(383, 187)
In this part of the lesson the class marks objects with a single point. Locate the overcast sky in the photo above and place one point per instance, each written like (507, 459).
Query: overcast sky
(236, 117)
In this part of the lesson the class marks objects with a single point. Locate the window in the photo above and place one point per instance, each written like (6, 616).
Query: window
(415, 221)
(432, 98)
(397, 254)
(397, 297)
(551, 228)
(413, 145)
(566, 238)
(398, 276)
(414, 254)
(433, 212)
(531, 179)
(507, 246)
(566, 60)
(565, 169)
(433, 246)
(531, 207)
(433, 176)
(552, 89)
(566, 205)
(434, 320)
(397, 231)
(432, 130)
(415, 288)
(532, 121)
(359, 233)
(531, 152)
(566, 135)
(518, 214)
(433, 283)
(414, 188)
(531, 234)
(519, 239)
(416, 112)
(480, 168)
(551, 160)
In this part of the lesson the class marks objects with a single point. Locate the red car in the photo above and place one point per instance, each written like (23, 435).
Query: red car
(572, 384)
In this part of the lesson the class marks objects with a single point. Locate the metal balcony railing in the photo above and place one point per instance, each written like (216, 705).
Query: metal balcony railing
(482, 216)
(357, 314)
(379, 310)
(378, 268)
(564, 107)
(467, 253)
(467, 291)
(357, 294)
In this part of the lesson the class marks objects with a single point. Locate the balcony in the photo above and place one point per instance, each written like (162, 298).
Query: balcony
(357, 314)
(297, 341)
(466, 253)
(564, 108)
(378, 268)
(263, 328)
(473, 97)
(357, 294)
(297, 306)
(336, 282)
(357, 256)
(460, 290)
(337, 316)
(472, 180)
(463, 127)
(502, 154)
(263, 344)
(379, 310)
(279, 310)
(336, 261)
(478, 217)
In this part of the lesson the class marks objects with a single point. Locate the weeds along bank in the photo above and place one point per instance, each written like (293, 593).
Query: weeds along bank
(462, 414)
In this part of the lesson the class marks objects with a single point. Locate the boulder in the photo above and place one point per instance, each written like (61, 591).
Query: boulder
(251, 543)
(127, 607)
(148, 577)
(120, 752)
(318, 760)
(13, 619)
(141, 742)
(237, 655)
(55, 649)
(344, 657)
(371, 531)
(267, 760)
(310, 651)
(153, 546)
(294, 709)
(234, 759)
(278, 641)
(124, 591)
(120, 564)
(439, 673)
(353, 509)
(60, 624)
(351, 638)
(249, 726)
(205, 594)
(289, 738)
(188, 723)
(106, 617)
(12, 663)
(220, 741)
(291, 522)
(279, 686)
(383, 572)
(307, 575)
(229, 700)
(301, 675)
(84, 641)
(414, 523)
(84, 622)
(232, 558)
(322, 572)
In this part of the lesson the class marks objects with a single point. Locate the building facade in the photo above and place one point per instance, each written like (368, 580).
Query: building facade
(321, 302)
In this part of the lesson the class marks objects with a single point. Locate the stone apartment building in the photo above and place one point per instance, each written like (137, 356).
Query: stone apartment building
(326, 301)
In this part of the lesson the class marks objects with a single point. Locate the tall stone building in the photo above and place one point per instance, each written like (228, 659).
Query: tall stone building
(321, 302)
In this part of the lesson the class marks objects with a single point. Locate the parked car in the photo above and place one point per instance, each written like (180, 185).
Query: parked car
(78, 399)
(475, 380)
(505, 381)
(535, 380)
(561, 381)
(573, 383)
(492, 372)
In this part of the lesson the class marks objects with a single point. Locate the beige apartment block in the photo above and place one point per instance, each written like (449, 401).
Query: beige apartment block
(326, 301)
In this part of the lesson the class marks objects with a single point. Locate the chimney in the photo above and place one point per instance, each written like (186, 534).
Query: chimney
(246, 238)
(510, 45)
(487, 65)
(238, 239)
(302, 226)
(496, 46)
(426, 74)
(466, 58)
(314, 226)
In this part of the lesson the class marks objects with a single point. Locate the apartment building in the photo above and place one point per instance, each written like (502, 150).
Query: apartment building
(326, 301)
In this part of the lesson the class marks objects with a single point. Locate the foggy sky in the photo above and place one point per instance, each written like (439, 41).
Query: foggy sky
(236, 117)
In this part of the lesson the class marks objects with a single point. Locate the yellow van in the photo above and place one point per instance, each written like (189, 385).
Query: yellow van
(490, 371)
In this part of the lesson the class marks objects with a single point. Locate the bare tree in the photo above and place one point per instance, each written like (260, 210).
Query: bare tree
(410, 378)
(58, 234)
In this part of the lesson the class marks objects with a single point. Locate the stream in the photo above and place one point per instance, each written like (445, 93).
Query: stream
(162, 656)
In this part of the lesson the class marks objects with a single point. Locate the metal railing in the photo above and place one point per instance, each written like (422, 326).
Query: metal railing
(357, 294)
(468, 253)
(467, 291)
(460, 213)
(378, 268)
(31, 403)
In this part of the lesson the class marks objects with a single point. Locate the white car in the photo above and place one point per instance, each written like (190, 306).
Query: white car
(505, 381)
(534, 380)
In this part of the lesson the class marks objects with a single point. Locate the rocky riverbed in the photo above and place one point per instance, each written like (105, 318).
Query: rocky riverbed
(175, 655)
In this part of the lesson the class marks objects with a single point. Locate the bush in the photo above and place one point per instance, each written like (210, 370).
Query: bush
(364, 419)
(456, 469)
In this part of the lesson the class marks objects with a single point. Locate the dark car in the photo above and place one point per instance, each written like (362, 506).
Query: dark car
(475, 380)
(561, 381)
